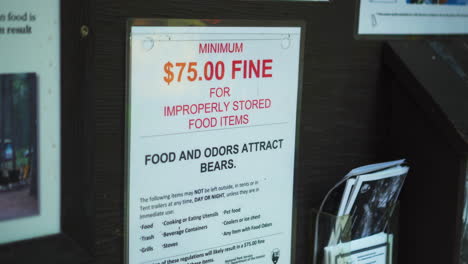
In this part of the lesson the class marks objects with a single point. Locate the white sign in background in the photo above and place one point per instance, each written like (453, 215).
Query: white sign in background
(381, 17)
(36, 50)
(232, 201)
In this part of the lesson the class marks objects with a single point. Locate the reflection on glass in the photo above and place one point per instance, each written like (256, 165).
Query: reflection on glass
(464, 243)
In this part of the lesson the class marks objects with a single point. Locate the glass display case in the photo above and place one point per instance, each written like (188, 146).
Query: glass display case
(427, 124)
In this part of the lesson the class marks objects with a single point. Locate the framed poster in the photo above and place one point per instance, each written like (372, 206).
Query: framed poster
(412, 17)
(212, 125)
(42, 153)
(29, 119)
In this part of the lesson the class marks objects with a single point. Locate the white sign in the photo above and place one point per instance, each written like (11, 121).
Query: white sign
(375, 249)
(405, 17)
(211, 144)
(29, 119)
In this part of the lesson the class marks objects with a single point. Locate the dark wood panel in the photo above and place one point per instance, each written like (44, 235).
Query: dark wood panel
(429, 201)
(77, 124)
(338, 129)
(427, 118)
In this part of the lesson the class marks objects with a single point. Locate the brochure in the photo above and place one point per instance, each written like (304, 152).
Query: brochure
(372, 249)
(368, 200)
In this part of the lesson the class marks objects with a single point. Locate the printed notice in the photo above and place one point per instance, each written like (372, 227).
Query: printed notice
(211, 144)
(420, 17)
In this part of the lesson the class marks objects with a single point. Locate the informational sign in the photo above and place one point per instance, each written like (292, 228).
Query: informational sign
(293, 0)
(413, 17)
(29, 119)
(212, 123)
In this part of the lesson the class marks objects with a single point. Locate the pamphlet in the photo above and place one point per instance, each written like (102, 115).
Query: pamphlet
(372, 249)
(368, 200)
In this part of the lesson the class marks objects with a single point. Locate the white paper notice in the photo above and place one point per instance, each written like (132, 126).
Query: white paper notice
(211, 144)
(375, 249)
(413, 17)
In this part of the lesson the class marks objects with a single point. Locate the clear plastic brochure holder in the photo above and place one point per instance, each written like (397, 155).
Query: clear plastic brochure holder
(329, 228)
(333, 243)
(335, 239)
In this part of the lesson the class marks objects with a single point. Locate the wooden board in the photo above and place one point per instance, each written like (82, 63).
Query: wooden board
(339, 112)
